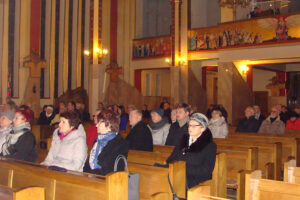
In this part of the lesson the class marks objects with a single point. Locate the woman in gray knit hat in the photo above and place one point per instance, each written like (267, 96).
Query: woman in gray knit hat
(159, 126)
(198, 150)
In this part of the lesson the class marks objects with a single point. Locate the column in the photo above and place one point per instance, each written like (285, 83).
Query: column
(179, 70)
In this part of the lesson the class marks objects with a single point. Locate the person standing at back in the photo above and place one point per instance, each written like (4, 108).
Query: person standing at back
(139, 137)
(180, 127)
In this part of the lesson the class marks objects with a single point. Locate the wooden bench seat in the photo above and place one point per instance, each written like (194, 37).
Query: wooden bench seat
(155, 179)
(290, 144)
(267, 153)
(30, 193)
(63, 185)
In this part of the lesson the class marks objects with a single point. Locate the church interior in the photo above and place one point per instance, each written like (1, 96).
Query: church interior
(147, 61)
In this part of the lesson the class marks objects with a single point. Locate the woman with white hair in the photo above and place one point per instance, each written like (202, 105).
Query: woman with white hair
(198, 150)
(217, 124)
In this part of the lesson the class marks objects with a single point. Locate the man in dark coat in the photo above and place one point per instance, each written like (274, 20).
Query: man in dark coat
(139, 137)
(258, 115)
(180, 127)
(249, 123)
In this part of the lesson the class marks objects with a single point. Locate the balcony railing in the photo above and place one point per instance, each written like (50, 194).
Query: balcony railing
(253, 32)
(154, 47)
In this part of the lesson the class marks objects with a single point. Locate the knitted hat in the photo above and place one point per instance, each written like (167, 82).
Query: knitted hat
(158, 111)
(9, 114)
(200, 118)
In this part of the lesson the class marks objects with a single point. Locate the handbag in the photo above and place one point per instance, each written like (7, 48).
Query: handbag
(133, 180)
(175, 197)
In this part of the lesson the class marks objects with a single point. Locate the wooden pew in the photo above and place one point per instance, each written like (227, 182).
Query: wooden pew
(155, 179)
(30, 193)
(63, 185)
(265, 190)
(238, 158)
(290, 144)
(267, 153)
(218, 182)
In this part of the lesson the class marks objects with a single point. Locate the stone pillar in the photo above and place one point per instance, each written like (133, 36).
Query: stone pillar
(225, 87)
(179, 70)
(233, 92)
(98, 79)
(96, 85)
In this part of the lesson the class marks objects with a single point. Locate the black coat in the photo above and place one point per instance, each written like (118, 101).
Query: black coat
(44, 120)
(248, 125)
(200, 158)
(24, 149)
(176, 133)
(261, 119)
(140, 137)
(108, 155)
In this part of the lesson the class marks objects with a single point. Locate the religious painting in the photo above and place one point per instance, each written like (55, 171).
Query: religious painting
(263, 31)
(152, 47)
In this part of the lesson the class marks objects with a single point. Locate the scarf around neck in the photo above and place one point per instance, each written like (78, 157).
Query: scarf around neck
(101, 142)
(15, 134)
(158, 125)
(182, 122)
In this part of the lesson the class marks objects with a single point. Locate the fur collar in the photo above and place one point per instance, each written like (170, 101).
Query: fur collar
(199, 144)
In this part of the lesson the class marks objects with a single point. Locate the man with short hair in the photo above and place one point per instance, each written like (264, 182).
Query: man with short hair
(273, 124)
(249, 123)
(139, 137)
(257, 114)
(180, 127)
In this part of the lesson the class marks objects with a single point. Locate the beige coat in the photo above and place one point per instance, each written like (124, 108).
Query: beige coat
(218, 128)
(277, 127)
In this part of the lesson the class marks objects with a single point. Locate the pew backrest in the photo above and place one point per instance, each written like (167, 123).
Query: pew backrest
(64, 185)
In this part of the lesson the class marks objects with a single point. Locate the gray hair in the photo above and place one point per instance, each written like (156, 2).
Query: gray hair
(137, 112)
(251, 109)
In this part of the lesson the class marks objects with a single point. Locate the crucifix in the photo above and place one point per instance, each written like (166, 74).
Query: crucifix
(32, 91)
(114, 70)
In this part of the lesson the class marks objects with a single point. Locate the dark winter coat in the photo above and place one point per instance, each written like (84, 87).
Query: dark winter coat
(140, 137)
(200, 157)
(24, 149)
(176, 133)
(250, 125)
(107, 157)
(44, 120)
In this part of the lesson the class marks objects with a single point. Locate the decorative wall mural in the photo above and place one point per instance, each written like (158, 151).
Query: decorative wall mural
(152, 47)
(269, 30)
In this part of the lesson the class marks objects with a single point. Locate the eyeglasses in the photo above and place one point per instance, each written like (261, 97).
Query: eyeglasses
(193, 126)
(274, 111)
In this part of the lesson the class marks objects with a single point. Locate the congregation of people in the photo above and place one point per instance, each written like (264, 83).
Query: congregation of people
(115, 130)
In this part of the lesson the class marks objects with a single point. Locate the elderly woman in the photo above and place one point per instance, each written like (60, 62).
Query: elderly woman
(198, 150)
(68, 148)
(108, 146)
(159, 126)
(6, 119)
(217, 124)
(20, 143)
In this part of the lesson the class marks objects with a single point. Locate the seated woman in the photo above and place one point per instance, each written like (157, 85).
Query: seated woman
(159, 126)
(20, 143)
(6, 125)
(198, 150)
(68, 148)
(108, 146)
(217, 124)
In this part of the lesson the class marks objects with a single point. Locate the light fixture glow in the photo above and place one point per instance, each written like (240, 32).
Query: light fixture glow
(86, 52)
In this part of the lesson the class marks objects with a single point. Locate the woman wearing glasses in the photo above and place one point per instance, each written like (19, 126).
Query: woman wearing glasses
(198, 150)
(108, 145)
